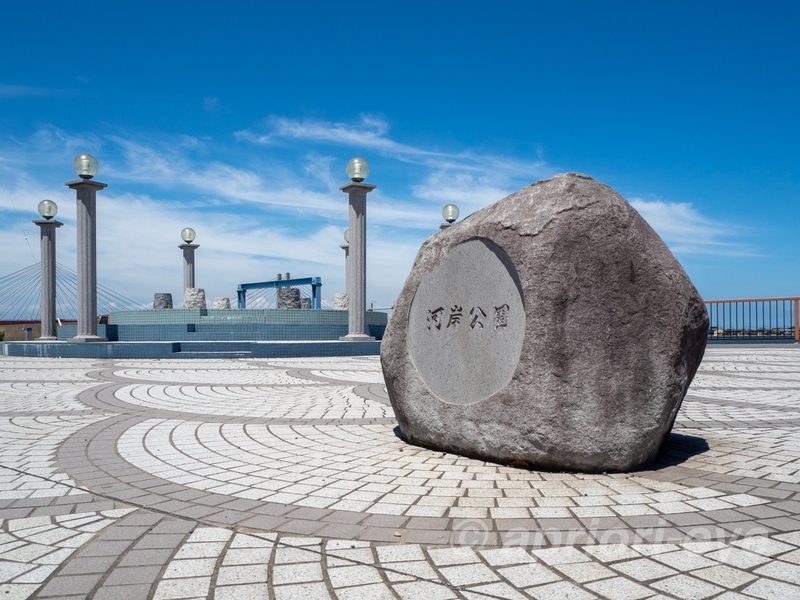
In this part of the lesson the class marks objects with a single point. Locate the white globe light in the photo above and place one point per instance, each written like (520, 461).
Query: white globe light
(85, 166)
(450, 213)
(48, 209)
(357, 169)
(188, 235)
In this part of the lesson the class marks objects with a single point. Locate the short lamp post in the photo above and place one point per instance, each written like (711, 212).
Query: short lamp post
(188, 235)
(85, 166)
(357, 170)
(449, 214)
(47, 307)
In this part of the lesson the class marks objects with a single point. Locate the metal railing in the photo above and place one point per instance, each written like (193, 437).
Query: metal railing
(761, 319)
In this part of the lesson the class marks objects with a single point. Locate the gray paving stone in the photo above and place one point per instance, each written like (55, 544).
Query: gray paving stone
(151, 556)
(66, 585)
(123, 592)
(132, 575)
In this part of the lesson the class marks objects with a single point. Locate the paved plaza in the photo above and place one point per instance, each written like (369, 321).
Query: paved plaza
(286, 479)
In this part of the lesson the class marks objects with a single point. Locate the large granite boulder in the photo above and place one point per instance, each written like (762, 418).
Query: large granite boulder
(553, 327)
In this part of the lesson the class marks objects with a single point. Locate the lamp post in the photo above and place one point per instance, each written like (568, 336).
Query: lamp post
(47, 307)
(357, 170)
(449, 214)
(188, 235)
(85, 166)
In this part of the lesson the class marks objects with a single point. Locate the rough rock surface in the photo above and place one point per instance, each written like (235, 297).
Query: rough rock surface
(222, 303)
(194, 298)
(161, 301)
(305, 303)
(341, 301)
(553, 327)
(288, 297)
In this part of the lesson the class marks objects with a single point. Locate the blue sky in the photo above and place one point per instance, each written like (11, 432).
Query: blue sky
(237, 120)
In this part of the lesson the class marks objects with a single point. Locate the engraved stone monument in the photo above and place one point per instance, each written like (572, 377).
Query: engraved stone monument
(553, 327)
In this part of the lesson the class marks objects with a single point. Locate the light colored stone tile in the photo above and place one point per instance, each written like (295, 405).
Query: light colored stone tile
(493, 591)
(500, 557)
(470, 574)
(173, 589)
(295, 555)
(242, 574)
(683, 560)
(619, 588)
(562, 590)
(780, 570)
(407, 571)
(422, 590)
(560, 555)
(195, 567)
(643, 569)
(735, 557)
(527, 575)
(303, 591)
(724, 576)
(375, 591)
(356, 575)
(768, 589)
(453, 556)
(684, 586)
(763, 545)
(585, 571)
(400, 553)
(253, 591)
(611, 552)
(296, 573)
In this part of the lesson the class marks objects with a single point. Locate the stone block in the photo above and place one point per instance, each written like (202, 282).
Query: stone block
(288, 297)
(162, 301)
(341, 301)
(194, 298)
(553, 327)
(222, 303)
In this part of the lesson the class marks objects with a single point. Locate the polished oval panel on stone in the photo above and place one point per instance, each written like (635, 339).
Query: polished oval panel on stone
(467, 323)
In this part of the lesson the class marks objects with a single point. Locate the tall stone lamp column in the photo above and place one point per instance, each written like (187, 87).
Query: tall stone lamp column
(47, 307)
(85, 166)
(188, 235)
(357, 169)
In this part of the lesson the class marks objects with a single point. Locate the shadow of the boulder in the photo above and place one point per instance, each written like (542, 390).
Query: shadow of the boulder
(677, 449)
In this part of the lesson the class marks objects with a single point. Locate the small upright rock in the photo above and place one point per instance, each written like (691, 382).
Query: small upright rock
(340, 301)
(222, 303)
(553, 328)
(162, 301)
(288, 297)
(194, 298)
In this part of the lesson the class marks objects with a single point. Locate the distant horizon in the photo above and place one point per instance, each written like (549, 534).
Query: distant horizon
(239, 122)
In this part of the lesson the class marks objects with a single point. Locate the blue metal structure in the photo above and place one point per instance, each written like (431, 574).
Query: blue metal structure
(314, 282)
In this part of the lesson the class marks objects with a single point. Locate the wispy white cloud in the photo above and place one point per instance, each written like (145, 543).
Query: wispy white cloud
(687, 231)
(371, 132)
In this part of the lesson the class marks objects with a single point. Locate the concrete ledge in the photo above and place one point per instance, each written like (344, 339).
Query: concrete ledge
(217, 349)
